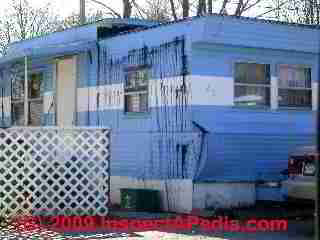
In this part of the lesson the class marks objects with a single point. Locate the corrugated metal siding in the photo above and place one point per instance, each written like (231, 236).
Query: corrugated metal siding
(240, 32)
(57, 39)
(120, 45)
(83, 65)
(218, 59)
(233, 132)
(87, 66)
(151, 155)
(270, 194)
(247, 145)
(48, 85)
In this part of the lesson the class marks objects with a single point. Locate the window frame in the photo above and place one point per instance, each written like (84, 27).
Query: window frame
(30, 99)
(251, 84)
(144, 89)
(303, 66)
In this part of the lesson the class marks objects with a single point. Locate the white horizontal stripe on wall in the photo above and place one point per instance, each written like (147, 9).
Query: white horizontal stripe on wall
(168, 91)
(212, 90)
(110, 98)
(200, 90)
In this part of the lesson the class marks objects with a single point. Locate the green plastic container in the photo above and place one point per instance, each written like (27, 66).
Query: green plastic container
(145, 200)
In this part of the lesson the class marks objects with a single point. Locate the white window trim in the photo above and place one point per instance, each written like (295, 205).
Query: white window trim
(314, 95)
(274, 92)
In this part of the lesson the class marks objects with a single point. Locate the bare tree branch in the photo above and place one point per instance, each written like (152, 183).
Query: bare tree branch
(22, 21)
(142, 13)
(271, 10)
(107, 7)
(157, 10)
(245, 7)
(223, 8)
(210, 7)
(239, 7)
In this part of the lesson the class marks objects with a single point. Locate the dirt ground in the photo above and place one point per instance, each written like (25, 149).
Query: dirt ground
(300, 227)
(298, 230)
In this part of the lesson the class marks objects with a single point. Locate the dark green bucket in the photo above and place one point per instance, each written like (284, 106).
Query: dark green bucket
(145, 200)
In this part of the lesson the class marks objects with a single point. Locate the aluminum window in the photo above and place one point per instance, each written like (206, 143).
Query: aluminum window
(35, 99)
(294, 86)
(136, 90)
(252, 84)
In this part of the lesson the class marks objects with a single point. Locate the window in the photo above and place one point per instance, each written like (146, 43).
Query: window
(252, 84)
(294, 86)
(136, 90)
(35, 100)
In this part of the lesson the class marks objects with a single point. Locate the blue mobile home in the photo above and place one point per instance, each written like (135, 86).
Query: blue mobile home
(205, 109)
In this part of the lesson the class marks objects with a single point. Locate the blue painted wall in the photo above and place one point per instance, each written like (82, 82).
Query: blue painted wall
(218, 59)
(260, 34)
(242, 144)
(249, 144)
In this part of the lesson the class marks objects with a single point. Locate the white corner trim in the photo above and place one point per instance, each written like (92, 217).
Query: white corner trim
(314, 96)
(274, 99)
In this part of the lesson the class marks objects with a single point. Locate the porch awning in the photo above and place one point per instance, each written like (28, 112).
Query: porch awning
(56, 50)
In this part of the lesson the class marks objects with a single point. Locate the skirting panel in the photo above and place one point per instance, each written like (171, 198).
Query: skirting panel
(54, 171)
(223, 195)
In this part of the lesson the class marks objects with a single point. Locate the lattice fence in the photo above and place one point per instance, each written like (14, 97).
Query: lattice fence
(54, 171)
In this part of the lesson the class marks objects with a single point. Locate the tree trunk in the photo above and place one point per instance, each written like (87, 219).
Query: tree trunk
(202, 7)
(173, 10)
(318, 12)
(127, 9)
(210, 6)
(185, 8)
(311, 4)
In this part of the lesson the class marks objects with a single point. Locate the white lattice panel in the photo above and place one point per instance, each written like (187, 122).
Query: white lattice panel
(54, 171)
